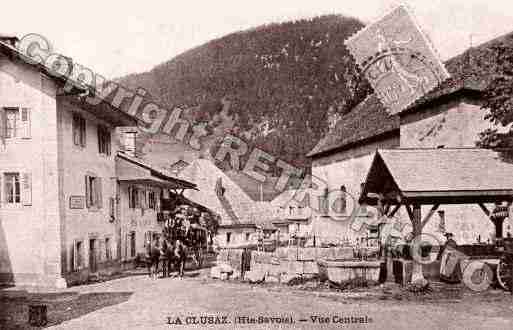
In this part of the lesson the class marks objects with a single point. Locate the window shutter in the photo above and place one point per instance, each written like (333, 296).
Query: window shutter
(112, 207)
(108, 142)
(26, 186)
(83, 132)
(130, 197)
(3, 126)
(75, 128)
(74, 258)
(141, 198)
(99, 197)
(99, 134)
(25, 123)
(87, 191)
(137, 198)
(127, 240)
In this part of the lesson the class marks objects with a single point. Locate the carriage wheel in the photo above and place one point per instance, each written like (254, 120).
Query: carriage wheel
(503, 273)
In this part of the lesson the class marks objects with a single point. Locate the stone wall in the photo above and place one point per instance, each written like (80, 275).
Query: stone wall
(278, 266)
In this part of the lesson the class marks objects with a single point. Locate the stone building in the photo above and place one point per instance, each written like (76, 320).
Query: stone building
(142, 191)
(448, 117)
(62, 202)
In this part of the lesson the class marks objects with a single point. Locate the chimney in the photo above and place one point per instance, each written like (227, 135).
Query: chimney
(11, 40)
(130, 138)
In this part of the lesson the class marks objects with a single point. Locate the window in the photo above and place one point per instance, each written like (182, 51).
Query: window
(108, 251)
(228, 237)
(12, 122)
(143, 202)
(219, 189)
(12, 188)
(152, 201)
(104, 140)
(130, 142)
(79, 130)
(133, 197)
(247, 236)
(93, 191)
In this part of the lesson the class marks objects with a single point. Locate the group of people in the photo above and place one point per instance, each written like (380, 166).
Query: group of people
(166, 253)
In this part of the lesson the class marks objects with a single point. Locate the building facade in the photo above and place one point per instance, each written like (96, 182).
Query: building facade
(142, 190)
(65, 203)
(449, 117)
(57, 177)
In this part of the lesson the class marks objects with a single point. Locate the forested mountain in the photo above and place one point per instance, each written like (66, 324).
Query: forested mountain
(279, 86)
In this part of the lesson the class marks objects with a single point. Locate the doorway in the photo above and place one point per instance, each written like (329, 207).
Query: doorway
(93, 255)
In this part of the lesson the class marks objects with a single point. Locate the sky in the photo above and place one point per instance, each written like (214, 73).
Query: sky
(115, 38)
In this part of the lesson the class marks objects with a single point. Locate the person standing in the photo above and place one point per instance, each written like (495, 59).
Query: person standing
(450, 270)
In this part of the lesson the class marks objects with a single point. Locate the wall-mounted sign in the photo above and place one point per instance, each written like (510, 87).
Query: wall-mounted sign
(76, 202)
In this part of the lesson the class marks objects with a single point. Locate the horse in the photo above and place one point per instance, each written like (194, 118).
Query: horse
(153, 256)
(167, 257)
(180, 254)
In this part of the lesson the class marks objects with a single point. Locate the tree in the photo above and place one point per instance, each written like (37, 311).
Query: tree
(498, 95)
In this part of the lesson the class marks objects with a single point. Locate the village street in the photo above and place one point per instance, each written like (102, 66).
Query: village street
(150, 303)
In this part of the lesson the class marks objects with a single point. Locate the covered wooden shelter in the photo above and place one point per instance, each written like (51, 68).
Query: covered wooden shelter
(411, 178)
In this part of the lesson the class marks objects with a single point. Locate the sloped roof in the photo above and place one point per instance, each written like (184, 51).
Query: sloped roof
(12, 52)
(101, 108)
(131, 168)
(471, 70)
(368, 119)
(461, 169)
(234, 207)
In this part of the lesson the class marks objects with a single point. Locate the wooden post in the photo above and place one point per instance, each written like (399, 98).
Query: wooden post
(498, 223)
(416, 221)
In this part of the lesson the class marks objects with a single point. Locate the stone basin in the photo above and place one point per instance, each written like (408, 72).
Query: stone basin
(341, 271)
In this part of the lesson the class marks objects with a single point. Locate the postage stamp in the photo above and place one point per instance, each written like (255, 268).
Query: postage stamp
(397, 59)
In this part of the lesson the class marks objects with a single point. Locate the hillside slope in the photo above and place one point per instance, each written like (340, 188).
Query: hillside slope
(280, 87)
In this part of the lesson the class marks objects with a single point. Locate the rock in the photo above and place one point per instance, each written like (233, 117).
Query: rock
(421, 282)
(290, 279)
(215, 272)
(222, 271)
(254, 276)
(225, 268)
(272, 278)
(420, 285)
